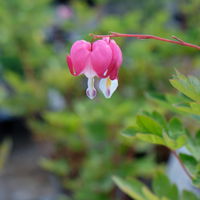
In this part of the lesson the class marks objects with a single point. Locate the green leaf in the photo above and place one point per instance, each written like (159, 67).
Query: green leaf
(192, 108)
(149, 194)
(159, 118)
(189, 86)
(188, 196)
(163, 188)
(168, 101)
(130, 132)
(175, 128)
(67, 121)
(133, 189)
(193, 145)
(175, 143)
(196, 180)
(166, 141)
(148, 128)
(190, 162)
(59, 167)
(148, 125)
(154, 139)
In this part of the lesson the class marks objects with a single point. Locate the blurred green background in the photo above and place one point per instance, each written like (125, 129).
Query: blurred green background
(37, 88)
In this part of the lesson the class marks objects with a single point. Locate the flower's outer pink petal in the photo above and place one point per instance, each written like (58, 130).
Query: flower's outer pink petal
(101, 57)
(117, 54)
(79, 54)
(70, 65)
(116, 60)
(114, 74)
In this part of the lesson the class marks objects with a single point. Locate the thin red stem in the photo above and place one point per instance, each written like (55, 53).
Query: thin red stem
(141, 36)
(182, 165)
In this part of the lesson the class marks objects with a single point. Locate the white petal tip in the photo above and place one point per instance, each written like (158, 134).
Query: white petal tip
(108, 87)
(107, 94)
(91, 93)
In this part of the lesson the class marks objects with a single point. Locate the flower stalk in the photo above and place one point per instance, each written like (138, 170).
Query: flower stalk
(182, 165)
(144, 36)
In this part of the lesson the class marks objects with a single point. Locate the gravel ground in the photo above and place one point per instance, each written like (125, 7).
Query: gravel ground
(23, 179)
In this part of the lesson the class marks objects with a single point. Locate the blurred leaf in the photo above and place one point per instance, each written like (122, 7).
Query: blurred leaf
(68, 121)
(5, 148)
(189, 86)
(154, 139)
(176, 128)
(188, 196)
(131, 187)
(193, 166)
(190, 162)
(196, 180)
(193, 145)
(58, 167)
(192, 108)
(163, 188)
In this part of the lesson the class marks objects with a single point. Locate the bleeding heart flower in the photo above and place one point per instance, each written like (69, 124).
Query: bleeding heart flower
(102, 58)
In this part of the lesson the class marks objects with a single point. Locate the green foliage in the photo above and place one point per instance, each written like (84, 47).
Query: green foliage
(192, 161)
(193, 145)
(134, 189)
(188, 195)
(90, 148)
(152, 128)
(190, 87)
(21, 36)
(58, 167)
(84, 134)
(162, 189)
(28, 98)
(24, 54)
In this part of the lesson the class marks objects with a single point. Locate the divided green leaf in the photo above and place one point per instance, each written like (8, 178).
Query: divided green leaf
(161, 186)
(189, 86)
(153, 128)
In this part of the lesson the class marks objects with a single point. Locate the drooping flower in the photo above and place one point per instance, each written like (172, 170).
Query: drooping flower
(102, 58)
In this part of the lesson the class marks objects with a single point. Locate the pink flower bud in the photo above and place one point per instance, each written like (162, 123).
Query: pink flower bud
(102, 58)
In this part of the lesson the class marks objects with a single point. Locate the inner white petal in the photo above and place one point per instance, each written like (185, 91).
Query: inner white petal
(108, 86)
(91, 91)
(89, 72)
